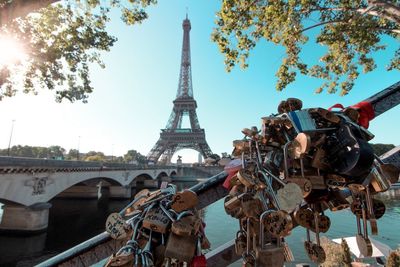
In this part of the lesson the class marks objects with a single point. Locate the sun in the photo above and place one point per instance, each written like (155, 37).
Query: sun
(11, 51)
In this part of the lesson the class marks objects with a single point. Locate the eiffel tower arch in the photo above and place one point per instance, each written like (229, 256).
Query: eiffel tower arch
(174, 137)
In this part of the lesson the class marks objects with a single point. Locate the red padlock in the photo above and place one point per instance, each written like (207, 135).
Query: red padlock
(199, 260)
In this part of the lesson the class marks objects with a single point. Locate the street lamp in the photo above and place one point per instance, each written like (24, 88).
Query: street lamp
(112, 153)
(9, 142)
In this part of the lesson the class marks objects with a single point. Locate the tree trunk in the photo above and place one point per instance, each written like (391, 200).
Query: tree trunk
(21, 8)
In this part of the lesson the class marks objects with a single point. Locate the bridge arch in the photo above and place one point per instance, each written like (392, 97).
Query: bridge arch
(189, 155)
(162, 175)
(41, 186)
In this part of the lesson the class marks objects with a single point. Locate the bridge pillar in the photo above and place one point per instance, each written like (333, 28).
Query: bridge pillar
(19, 218)
(150, 183)
(120, 192)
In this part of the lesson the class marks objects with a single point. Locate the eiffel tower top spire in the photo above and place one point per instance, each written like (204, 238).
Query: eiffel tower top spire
(185, 89)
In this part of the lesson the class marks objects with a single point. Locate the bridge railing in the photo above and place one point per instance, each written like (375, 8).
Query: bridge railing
(21, 162)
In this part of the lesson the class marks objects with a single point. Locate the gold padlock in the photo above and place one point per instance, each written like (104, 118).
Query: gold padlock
(156, 220)
(181, 247)
(268, 254)
(379, 181)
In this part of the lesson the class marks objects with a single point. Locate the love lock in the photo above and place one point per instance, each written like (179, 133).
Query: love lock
(123, 258)
(278, 223)
(315, 251)
(378, 206)
(251, 206)
(304, 184)
(156, 220)
(289, 197)
(116, 226)
(363, 242)
(184, 200)
(306, 218)
(271, 255)
(186, 224)
(240, 242)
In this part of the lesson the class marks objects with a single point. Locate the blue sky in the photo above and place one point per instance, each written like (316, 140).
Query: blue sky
(133, 95)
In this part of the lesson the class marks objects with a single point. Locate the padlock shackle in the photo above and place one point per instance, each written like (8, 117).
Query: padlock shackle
(167, 213)
(261, 230)
(184, 214)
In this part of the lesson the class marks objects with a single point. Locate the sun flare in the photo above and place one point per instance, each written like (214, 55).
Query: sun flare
(11, 51)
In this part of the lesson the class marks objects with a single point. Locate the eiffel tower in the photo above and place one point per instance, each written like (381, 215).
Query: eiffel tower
(174, 137)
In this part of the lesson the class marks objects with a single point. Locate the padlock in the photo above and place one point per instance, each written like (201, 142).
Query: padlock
(186, 224)
(181, 247)
(289, 197)
(233, 207)
(326, 114)
(379, 180)
(315, 251)
(184, 200)
(159, 252)
(336, 201)
(299, 146)
(317, 181)
(236, 190)
(199, 260)
(205, 243)
(116, 226)
(304, 184)
(232, 202)
(240, 242)
(363, 242)
(248, 255)
(240, 146)
(335, 181)
(370, 211)
(156, 220)
(268, 254)
(246, 177)
(319, 160)
(352, 114)
(306, 218)
(120, 260)
(278, 223)
(251, 206)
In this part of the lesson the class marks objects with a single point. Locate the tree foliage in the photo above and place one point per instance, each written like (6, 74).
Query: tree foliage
(133, 156)
(52, 152)
(351, 31)
(60, 41)
(58, 152)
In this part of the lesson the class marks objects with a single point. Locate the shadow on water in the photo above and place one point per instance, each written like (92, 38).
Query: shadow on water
(71, 222)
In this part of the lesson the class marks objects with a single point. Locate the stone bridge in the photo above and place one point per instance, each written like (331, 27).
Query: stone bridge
(26, 185)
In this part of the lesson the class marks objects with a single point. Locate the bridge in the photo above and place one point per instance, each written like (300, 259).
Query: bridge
(26, 185)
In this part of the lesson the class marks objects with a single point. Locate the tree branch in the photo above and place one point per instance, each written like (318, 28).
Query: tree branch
(21, 8)
(390, 11)
(319, 24)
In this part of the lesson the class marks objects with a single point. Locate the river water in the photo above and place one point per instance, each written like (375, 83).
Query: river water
(73, 221)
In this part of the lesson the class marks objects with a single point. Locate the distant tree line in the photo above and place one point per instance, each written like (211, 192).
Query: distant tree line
(58, 152)
(131, 156)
